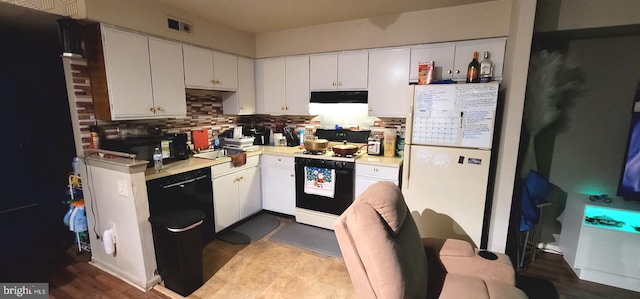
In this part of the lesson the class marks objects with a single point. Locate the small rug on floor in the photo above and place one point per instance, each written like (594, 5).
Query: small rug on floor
(536, 288)
(313, 238)
(252, 230)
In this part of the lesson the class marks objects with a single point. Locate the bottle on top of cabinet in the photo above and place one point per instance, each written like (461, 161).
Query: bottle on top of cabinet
(473, 70)
(486, 68)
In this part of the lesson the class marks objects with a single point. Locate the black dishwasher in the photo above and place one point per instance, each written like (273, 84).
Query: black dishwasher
(184, 191)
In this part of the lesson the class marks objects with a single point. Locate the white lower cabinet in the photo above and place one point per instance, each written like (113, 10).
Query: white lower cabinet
(278, 188)
(236, 192)
(608, 246)
(367, 175)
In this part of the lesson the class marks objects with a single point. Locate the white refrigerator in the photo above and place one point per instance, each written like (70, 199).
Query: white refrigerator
(447, 158)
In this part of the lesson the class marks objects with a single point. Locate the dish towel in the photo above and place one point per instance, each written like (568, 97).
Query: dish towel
(319, 181)
(238, 159)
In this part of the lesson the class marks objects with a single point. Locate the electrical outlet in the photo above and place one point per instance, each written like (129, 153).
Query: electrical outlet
(122, 188)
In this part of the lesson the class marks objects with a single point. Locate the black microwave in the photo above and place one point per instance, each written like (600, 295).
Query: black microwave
(174, 146)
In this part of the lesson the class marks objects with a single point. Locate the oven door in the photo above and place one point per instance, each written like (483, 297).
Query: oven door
(311, 197)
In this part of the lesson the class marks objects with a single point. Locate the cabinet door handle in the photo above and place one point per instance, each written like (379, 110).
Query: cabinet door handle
(160, 109)
(282, 108)
(241, 108)
(292, 175)
(375, 170)
(152, 109)
(339, 83)
(457, 71)
(370, 109)
(279, 159)
(449, 72)
(334, 84)
(286, 108)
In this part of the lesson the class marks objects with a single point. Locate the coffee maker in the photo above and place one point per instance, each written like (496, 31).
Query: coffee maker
(260, 134)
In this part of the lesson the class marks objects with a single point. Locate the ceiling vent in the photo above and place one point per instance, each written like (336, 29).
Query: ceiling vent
(175, 24)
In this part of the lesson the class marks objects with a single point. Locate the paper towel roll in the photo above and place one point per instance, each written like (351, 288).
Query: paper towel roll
(108, 241)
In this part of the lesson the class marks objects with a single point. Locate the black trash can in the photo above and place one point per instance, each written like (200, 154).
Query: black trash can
(177, 237)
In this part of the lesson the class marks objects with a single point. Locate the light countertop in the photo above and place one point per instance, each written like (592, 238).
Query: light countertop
(380, 161)
(194, 163)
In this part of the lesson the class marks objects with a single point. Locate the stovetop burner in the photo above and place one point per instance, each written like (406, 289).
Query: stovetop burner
(345, 156)
(306, 152)
(330, 155)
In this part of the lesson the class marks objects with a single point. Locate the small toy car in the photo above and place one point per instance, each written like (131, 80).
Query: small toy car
(604, 220)
(603, 197)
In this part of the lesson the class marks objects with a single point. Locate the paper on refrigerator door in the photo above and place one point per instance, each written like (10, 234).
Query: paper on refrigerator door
(441, 160)
(424, 154)
(454, 115)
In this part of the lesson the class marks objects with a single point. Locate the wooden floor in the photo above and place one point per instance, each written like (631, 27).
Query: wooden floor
(79, 279)
(548, 275)
(551, 277)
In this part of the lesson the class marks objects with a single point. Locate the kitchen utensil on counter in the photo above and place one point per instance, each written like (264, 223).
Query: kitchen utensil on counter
(276, 139)
(244, 144)
(374, 146)
(237, 132)
(346, 149)
(316, 145)
(200, 139)
(292, 138)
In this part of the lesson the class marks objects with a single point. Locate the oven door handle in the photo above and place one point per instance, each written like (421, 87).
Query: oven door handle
(181, 184)
(179, 230)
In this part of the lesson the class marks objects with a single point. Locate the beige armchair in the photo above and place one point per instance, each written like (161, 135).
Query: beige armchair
(386, 258)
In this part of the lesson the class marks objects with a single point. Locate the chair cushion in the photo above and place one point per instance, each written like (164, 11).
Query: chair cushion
(454, 247)
(386, 199)
(461, 286)
(500, 290)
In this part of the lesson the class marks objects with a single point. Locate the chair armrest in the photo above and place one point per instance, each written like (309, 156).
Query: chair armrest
(459, 257)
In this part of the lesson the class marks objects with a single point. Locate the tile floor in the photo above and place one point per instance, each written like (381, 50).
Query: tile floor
(267, 269)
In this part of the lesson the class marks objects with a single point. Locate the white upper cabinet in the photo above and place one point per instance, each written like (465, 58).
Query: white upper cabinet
(208, 69)
(243, 101)
(167, 74)
(128, 70)
(347, 71)
(134, 76)
(297, 92)
(282, 85)
(225, 71)
(464, 55)
(452, 59)
(198, 67)
(441, 55)
(270, 86)
(388, 86)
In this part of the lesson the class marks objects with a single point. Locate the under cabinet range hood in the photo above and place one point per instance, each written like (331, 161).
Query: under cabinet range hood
(333, 97)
